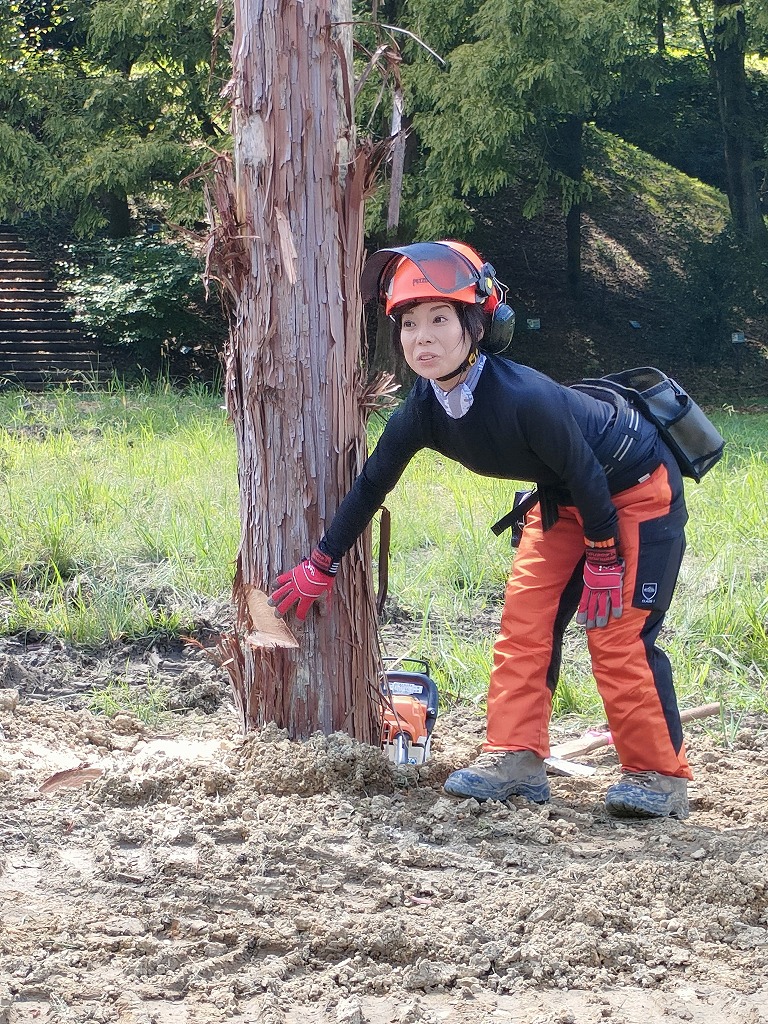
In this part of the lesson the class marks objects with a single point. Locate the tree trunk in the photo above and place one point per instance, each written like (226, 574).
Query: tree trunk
(661, 40)
(568, 158)
(738, 121)
(294, 369)
(118, 215)
(573, 251)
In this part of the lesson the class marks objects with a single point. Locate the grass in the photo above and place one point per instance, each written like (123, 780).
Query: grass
(148, 703)
(119, 519)
(118, 511)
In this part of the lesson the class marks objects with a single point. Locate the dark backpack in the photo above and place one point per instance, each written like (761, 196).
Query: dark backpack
(691, 437)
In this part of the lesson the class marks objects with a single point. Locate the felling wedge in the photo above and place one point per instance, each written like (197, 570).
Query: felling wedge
(559, 766)
(560, 760)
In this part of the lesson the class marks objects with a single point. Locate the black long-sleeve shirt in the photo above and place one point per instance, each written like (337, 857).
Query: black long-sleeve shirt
(521, 426)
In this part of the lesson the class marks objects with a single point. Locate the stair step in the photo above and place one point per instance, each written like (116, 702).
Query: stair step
(25, 309)
(45, 363)
(75, 344)
(43, 293)
(9, 296)
(41, 373)
(34, 381)
(51, 349)
(16, 287)
(45, 320)
(37, 324)
(54, 352)
(23, 275)
(18, 261)
(39, 336)
(32, 316)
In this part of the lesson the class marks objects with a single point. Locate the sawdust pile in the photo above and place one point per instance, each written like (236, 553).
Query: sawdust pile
(200, 876)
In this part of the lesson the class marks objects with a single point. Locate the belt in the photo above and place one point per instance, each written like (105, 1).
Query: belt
(616, 447)
(546, 496)
(524, 502)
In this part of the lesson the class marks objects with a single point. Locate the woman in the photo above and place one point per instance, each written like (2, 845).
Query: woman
(603, 534)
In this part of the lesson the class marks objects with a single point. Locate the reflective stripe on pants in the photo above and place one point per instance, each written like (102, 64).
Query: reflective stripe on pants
(633, 675)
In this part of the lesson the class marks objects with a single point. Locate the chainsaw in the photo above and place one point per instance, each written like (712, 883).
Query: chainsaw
(409, 709)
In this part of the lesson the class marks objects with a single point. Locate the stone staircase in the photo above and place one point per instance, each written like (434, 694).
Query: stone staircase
(40, 345)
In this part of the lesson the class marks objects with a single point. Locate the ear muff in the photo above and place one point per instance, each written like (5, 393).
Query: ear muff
(501, 331)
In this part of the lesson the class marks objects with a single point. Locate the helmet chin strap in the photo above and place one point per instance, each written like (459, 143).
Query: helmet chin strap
(469, 360)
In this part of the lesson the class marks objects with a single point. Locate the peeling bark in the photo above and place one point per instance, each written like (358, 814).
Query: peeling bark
(288, 248)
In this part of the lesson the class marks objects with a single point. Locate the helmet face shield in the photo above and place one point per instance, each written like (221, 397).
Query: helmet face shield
(414, 273)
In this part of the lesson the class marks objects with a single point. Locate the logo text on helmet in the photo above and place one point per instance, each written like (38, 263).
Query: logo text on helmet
(419, 280)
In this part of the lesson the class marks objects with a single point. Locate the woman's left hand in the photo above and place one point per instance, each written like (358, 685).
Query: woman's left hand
(601, 597)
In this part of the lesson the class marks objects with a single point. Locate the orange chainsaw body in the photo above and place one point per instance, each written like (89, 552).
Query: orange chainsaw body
(409, 710)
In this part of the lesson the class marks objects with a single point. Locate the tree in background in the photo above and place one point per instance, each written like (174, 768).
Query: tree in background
(288, 250)
(726, 55)
(101, 102)
(522, 78)
(703, 109)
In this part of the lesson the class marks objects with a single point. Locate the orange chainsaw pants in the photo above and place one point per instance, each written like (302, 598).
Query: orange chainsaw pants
(633, 675)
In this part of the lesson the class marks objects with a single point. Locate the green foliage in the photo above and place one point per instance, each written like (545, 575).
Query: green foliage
(514, 72)
(675, 116)
(148, 703)
(102, 101)
(139, 291)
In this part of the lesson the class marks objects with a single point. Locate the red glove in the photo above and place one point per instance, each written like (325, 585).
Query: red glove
(603, 579)
(310, 579)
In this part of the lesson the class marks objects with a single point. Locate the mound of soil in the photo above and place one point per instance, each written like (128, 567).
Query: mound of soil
(185, 873)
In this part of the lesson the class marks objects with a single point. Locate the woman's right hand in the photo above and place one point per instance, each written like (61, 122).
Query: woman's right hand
(304, 584)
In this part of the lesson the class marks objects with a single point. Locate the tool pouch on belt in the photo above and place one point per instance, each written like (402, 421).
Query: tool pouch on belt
(690, 436)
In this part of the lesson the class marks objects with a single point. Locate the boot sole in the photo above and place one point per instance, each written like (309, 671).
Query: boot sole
(625, 809)
(478, 789)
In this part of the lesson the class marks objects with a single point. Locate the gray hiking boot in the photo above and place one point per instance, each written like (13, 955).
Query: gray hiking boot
(498, 775)
(648, 795)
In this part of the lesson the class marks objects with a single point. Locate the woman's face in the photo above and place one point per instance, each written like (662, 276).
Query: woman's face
(434, 342)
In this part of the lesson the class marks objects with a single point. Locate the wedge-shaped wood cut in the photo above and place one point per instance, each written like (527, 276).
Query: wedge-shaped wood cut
(266, 630)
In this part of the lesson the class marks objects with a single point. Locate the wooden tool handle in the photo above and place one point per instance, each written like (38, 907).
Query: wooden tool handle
(702, 711)
(586, 744)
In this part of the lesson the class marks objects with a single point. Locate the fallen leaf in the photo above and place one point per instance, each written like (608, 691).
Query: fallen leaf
(71, 778)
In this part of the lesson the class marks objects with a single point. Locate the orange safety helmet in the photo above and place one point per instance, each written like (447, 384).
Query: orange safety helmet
(431, 270)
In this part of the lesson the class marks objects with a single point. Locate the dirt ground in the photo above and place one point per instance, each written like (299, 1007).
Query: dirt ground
(189, 874)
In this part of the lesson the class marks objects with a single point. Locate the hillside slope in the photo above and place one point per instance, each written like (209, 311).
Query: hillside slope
(646, 260)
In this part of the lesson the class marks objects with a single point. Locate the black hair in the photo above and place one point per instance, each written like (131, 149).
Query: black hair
(473, 319)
